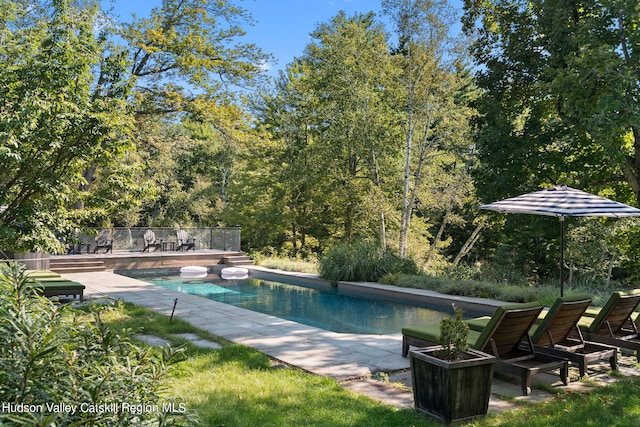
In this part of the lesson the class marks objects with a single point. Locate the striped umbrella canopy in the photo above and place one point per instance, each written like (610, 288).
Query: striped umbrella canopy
(561, 201)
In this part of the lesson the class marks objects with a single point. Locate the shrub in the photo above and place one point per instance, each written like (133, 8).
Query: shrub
(53, 354)
(453, 335)
(362, 260)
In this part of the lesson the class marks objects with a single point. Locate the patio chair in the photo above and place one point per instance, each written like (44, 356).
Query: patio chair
(502, 336)
(184, 242)
(151, 242)
(103, 241)
(614, 323)
(558, 334)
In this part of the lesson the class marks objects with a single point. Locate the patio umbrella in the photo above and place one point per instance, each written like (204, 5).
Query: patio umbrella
(562, 201)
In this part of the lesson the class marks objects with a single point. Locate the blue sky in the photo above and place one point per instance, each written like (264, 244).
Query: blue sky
(282, 26)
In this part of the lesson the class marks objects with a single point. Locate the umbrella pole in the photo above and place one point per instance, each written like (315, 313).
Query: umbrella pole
(561, 256)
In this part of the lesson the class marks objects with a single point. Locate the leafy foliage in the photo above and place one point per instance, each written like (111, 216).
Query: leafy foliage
(51, 124)
(362, 260)
(56, 355)
(453, 335)
(559, 105)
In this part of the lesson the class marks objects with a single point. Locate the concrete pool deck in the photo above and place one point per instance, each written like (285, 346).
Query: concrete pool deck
(349, 358)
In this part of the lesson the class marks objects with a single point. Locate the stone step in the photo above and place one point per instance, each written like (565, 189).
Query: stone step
(237, 260)
(79, 266)
(63, 270)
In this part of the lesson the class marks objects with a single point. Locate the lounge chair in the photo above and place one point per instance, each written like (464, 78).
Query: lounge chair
(502, 336)
(52, 284)
(614, 323)
(558, 334)
(151, 242)
(184, 242)
(103, 241)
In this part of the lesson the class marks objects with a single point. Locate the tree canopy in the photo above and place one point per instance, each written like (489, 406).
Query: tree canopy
(76, 97)
(381, 130)
(559, 105)
(560, 87)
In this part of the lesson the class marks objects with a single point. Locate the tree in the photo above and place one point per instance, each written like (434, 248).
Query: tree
(432, 77)
(560, 83)
(189, 66)
(51, 125)
(284, 168)
(351, 75)
(334, 133)
(73, 94)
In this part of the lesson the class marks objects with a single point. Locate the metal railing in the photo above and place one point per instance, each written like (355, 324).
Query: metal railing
(221, 238)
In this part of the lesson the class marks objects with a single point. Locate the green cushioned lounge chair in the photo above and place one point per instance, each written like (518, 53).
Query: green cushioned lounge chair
(66, 288)
(51, 284)
(503, 336)
(614, 323)
(558, 335)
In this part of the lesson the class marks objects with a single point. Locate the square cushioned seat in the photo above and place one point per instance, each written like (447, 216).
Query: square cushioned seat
(478, 336)
(431, 333)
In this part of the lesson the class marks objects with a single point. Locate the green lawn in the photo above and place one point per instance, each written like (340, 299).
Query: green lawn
(239, 386)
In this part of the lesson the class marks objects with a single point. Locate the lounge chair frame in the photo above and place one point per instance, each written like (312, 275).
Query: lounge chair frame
(558, 335)
(614, 325)
(504, 337)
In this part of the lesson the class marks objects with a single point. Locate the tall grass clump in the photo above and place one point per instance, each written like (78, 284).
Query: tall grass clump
(54, 354)
(287, 264)
(362, 260)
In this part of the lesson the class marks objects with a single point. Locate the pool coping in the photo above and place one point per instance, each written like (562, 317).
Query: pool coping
(389, 293)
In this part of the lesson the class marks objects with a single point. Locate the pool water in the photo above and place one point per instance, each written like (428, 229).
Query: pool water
(323, 309)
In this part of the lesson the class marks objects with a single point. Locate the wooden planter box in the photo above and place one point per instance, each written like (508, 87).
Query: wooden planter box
(453, 391)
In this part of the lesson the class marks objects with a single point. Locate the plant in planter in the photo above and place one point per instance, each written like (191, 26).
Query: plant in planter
(452, 382)
(453, 336)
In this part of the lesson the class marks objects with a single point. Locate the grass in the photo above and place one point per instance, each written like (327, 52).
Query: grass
(286, 264)
(614, 405)
(546, 294)
(239, 386)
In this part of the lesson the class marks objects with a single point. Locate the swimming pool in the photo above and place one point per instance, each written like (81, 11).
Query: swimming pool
(325, 309)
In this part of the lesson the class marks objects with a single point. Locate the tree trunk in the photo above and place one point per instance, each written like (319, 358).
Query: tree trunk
(89, 177)
(468, 245)
(631, 168)
(406, 206)
(294, 237)
(376, 181)
(434, 244)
